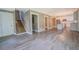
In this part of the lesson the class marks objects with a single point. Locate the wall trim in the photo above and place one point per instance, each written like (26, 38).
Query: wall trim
(29, 33)
(6, 11)
(41, 30)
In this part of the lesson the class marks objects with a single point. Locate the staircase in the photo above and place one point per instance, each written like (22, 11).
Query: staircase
(20, 24)
(20, 27)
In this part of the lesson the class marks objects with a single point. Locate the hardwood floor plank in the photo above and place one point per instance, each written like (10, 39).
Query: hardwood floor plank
(48, 40)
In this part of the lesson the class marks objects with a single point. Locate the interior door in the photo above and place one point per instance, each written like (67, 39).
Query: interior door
(46, 23)
(7, 23)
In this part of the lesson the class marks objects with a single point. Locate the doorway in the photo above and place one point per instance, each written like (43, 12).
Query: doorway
(46, 25)
(19, 23)
(34, 23)
(65, 23)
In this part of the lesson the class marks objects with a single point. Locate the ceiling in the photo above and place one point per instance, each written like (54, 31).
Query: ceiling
(48, 11)
(55, 11)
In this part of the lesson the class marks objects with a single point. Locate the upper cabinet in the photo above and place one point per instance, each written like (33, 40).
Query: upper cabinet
(76, 15)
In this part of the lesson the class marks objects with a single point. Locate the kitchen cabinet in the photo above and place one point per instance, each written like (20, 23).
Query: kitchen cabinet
(75, 23)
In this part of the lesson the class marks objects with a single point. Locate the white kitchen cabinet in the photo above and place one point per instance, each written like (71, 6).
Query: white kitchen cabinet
(6, 23)
(75, 25)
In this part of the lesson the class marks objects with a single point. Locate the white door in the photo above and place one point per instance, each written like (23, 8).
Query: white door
(7, 23)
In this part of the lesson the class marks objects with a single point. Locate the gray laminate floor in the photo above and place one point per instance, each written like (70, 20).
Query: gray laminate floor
(48, 40)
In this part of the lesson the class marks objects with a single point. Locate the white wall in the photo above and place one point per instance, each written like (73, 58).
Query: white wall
(28, 22)
(6, 23)
(41, 21)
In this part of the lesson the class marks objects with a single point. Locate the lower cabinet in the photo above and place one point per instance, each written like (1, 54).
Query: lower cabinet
(74, 27)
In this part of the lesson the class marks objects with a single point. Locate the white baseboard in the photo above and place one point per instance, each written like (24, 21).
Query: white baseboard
(6, 35)
(41, 30)
(20, 33)
(36, 30)
(29, 33)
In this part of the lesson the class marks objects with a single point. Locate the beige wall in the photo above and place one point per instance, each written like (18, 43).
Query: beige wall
(52, 22)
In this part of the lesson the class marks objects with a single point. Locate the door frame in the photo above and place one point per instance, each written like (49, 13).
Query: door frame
(47, 23)
(33, 13)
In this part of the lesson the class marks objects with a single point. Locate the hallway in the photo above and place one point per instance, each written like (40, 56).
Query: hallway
(49, 40)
